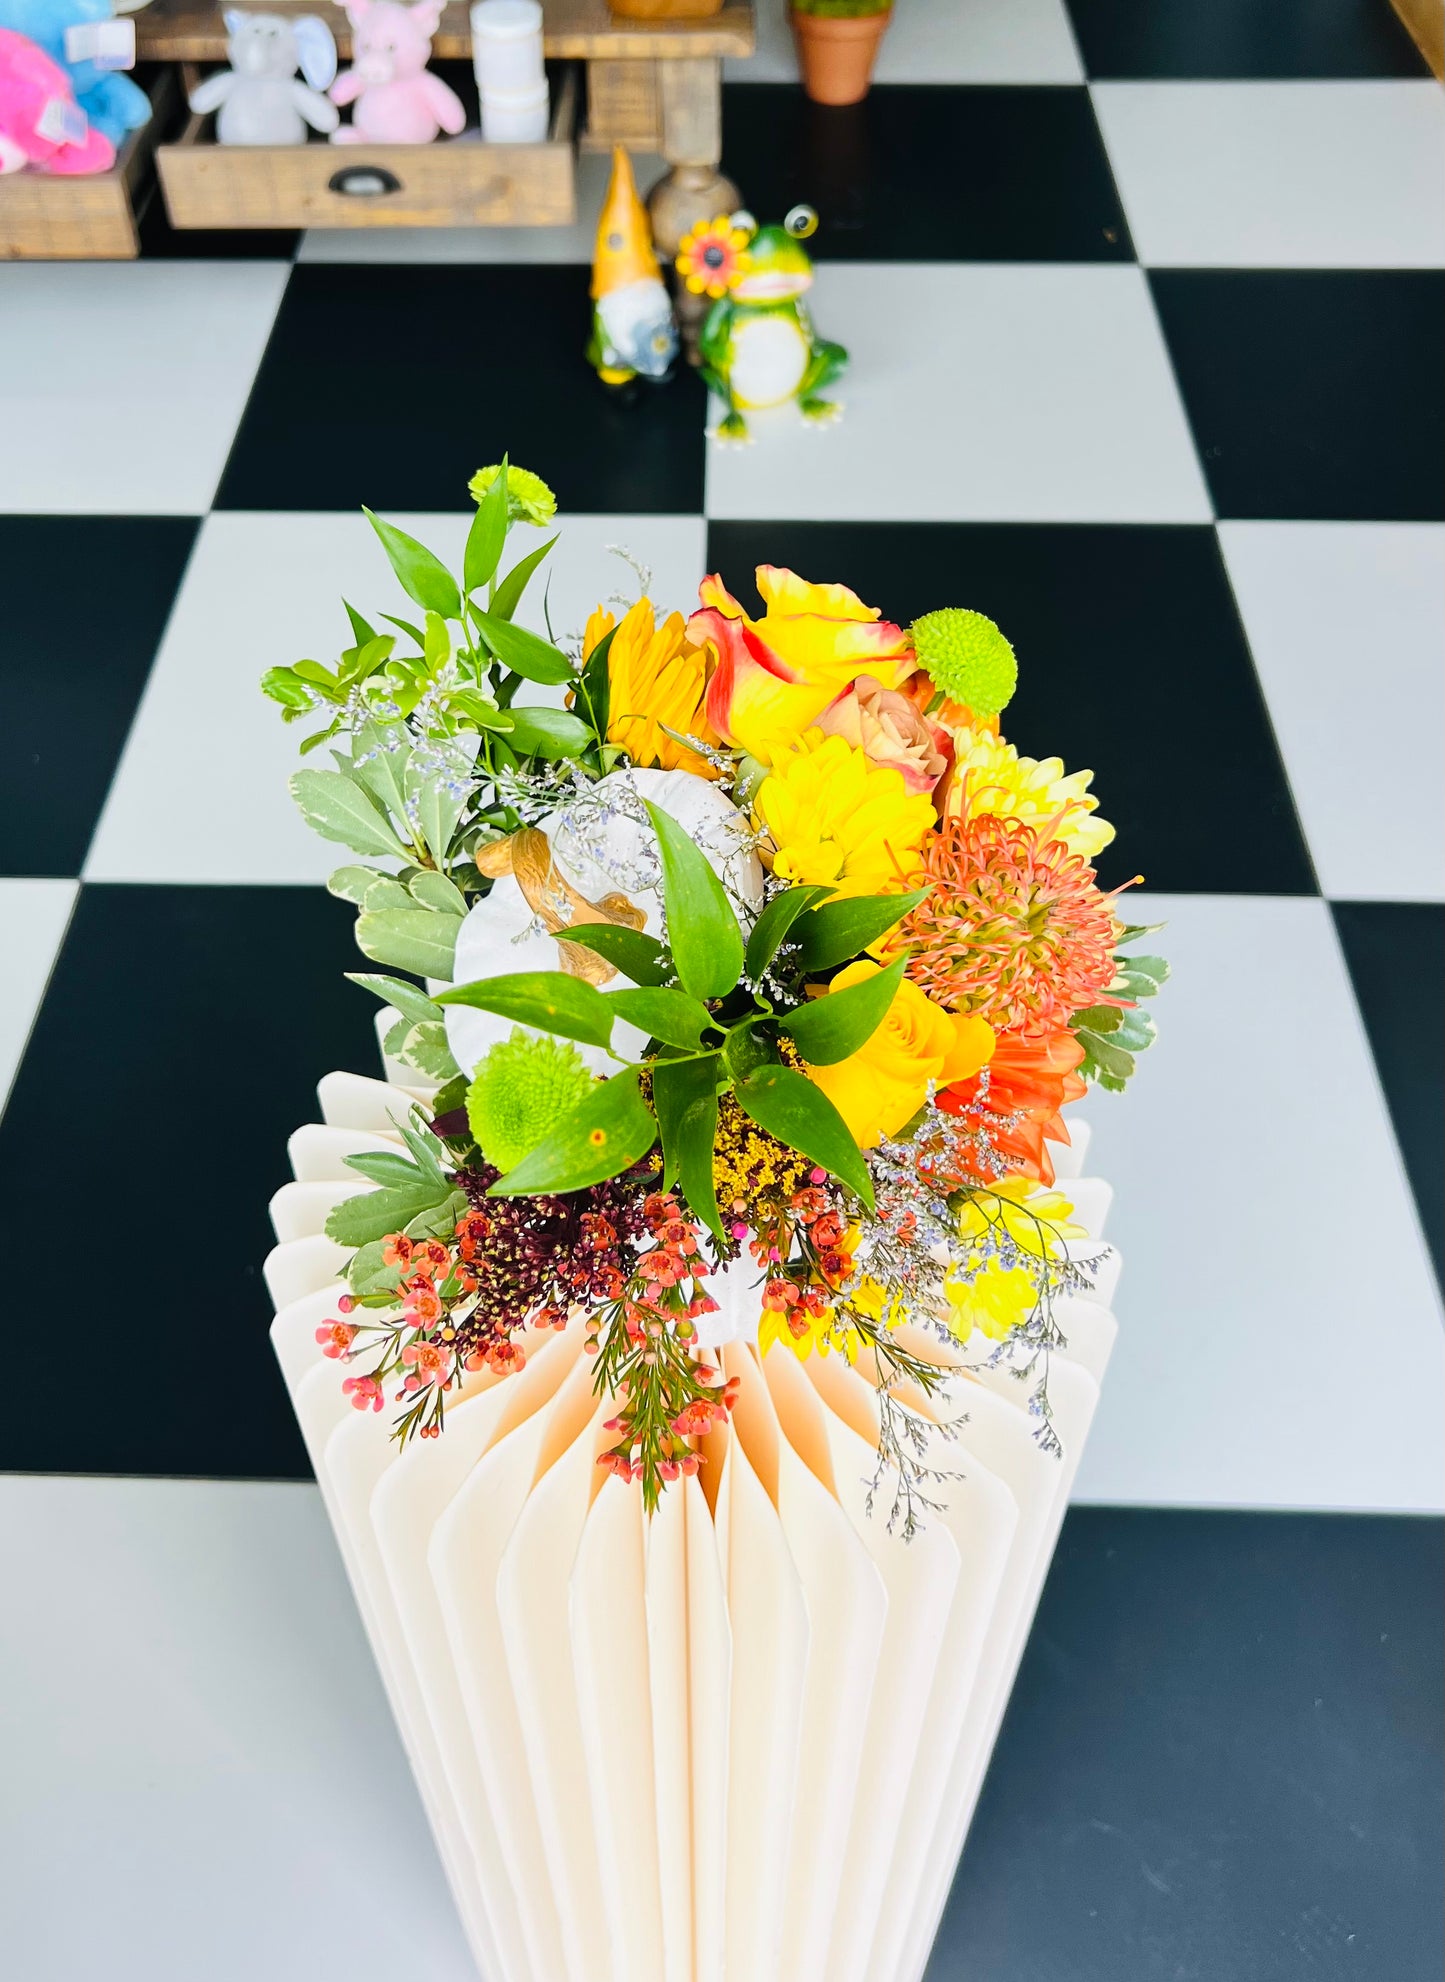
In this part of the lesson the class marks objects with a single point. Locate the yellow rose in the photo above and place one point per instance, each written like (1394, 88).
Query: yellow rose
(878, 1088)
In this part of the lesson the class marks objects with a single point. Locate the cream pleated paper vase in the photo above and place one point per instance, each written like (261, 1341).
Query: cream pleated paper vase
(739, 1741)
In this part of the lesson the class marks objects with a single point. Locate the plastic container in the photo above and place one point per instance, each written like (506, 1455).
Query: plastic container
(507, 46)
(515, 117)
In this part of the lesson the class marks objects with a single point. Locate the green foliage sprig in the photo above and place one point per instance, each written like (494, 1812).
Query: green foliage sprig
(1111, 1035)
(716, 1023)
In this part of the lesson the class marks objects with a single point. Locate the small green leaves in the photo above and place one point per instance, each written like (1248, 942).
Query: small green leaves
(609, 1132)
(790, 1107)
(436, 891)
(486, 537)
(552, 733)
(828, 1029)
(548, 999)
(641, 957)
(374, 1214)
(408, 999)
(772, 926)
(415, 939)
(388, 1166)
(339, 809)
(508, 595)
(684, 1094)
(839, 931)
(670, 1016)
(706, 942)
(286, 686)
(524, 653)
(421, 574)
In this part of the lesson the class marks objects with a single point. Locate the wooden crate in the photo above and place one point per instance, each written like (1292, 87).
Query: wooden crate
(456, 182)
(87, 218)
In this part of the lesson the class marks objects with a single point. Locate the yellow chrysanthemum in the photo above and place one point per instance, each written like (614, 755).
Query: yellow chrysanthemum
(997, 1300)
(1038, 1221)
(990, 778)
(829, 1333)
(833, 817)
(656, 682)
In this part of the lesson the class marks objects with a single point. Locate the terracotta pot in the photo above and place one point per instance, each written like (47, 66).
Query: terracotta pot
(836, 54)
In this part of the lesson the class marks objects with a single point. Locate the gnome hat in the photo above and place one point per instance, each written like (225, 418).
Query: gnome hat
(624, 235)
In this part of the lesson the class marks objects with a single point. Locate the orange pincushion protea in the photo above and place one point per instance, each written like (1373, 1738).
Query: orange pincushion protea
(1013, 928)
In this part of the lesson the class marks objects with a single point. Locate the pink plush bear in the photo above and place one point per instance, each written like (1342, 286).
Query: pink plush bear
(41, 125)
(398, 102)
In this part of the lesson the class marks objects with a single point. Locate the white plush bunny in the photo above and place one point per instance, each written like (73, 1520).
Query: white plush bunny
(258, 98)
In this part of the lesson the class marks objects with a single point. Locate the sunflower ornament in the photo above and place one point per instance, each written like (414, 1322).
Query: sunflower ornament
(712, 255)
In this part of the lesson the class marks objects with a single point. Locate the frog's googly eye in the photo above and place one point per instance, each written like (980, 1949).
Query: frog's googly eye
(801, 222)
(743, 220)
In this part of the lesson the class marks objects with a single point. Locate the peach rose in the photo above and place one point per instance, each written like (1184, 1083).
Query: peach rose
(890, 730)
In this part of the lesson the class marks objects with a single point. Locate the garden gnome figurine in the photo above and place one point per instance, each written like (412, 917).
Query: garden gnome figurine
(633, 331)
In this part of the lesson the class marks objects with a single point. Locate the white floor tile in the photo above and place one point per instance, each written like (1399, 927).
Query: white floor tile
(1015, 392)
(202, 1775)
(938, 41)
(1279, 175)
(33, 919)
(1346, 622)
(201, 794)
(485, 244)
(122, 384)
(1279, 1341)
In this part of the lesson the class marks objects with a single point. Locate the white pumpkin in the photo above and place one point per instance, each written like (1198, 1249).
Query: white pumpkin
(598, 857)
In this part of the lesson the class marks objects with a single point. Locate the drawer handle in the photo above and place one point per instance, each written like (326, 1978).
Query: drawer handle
(364, 182)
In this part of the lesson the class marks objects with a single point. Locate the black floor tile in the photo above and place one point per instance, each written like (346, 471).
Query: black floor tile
(1246, 38)
(1314, 394)
(1222, 1761)
(391, 386)
(1396, 957)
(178, 1046)
(1132, 663)
(931, 173)
(86, 603)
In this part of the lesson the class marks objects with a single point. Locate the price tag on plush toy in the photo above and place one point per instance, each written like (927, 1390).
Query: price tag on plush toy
(62, 122)
(108, 44)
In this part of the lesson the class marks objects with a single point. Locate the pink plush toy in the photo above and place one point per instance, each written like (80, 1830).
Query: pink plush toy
(398, 102)
(41, 124)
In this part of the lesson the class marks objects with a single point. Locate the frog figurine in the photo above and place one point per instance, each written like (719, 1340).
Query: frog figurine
(757, 343)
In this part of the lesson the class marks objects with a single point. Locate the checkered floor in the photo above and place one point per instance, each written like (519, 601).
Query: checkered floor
(1145, 303)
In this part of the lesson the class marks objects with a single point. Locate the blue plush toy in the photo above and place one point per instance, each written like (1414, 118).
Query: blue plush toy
(112, 102)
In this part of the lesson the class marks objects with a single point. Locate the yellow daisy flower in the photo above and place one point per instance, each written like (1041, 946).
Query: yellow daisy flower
(834, 817)
(1038, 1221)
(990, 779)
(656, 682)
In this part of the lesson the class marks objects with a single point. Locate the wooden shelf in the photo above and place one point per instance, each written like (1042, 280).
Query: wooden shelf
(574, 30)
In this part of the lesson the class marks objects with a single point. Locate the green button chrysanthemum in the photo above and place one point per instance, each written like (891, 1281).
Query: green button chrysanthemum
(529, 500)
(967, 657)
(522, 1089)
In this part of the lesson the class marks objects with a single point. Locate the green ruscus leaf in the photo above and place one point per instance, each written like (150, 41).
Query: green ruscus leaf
(702, 930)
(420, 572)
(828, 1029)
(670, 1016)
(551, 1000)
(838, 931)
(772, 926)
(643, 958)
(526, 654)
(790, 1107)
(603, 1136)
(684, 1094)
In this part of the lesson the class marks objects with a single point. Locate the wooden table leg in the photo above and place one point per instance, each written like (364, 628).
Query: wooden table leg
(689, 98)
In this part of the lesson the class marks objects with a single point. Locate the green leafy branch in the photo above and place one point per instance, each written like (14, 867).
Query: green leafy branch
(714, 1024)
(1113, 1035)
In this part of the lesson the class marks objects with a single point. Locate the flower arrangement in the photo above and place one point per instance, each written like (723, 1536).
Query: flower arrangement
(743, 983)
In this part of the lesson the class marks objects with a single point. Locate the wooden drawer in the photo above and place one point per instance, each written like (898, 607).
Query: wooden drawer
(88, 218)
(456, 182)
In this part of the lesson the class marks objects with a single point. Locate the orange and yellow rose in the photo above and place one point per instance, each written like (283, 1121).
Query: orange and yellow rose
(891, 731)
(881, 1086)
(775, 675)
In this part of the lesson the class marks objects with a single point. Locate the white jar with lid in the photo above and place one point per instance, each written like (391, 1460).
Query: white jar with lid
(507, 46)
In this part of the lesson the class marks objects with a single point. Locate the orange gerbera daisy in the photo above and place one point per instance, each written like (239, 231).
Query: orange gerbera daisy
(1016, 1099)
(1013, 928)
